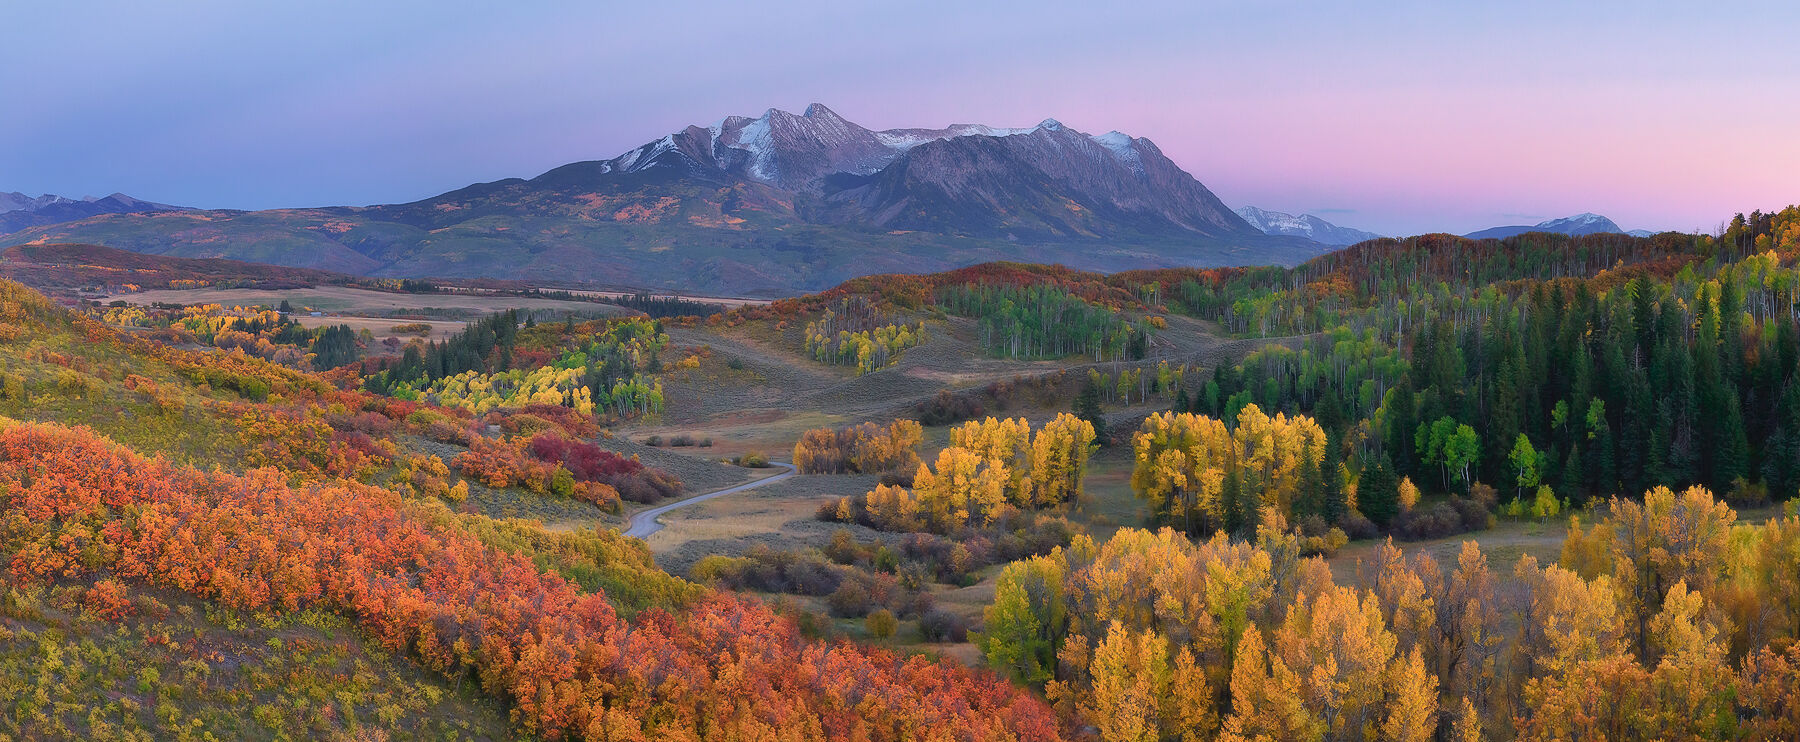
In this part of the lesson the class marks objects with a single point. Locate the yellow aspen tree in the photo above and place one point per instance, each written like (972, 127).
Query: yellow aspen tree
(1130, 682)
(1266, 698)
(1059, 459)
(1692, 687)
(1005, 441)
(1339, 637)
(1412, 701)
(1409, 494)
(1666, 539)
(1406, 605)
(1190, 710)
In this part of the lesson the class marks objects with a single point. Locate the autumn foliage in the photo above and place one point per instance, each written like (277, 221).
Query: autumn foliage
(991, 468)
(863, 449)
(77, 506)
(1665, 620)
(590, 463)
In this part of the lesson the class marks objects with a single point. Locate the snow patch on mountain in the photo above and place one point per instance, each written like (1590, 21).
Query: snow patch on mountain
(1305, 225)
(1120, 145)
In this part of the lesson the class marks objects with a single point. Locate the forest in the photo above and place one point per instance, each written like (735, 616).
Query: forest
(1027, 503)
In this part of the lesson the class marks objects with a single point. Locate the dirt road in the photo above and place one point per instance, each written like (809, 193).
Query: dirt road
(644, 523)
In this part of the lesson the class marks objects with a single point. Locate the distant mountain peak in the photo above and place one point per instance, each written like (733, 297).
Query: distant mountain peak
(18, 211)
(1305, 225)
(769, 203)
(1583, 223)
(819, 110)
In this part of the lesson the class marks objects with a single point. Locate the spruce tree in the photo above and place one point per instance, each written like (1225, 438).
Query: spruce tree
(1232, 493)
(1336, 500)
(1378, 493)
(1087, 407)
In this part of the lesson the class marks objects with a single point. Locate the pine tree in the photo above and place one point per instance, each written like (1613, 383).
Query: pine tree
(1309, 498)
(1087, 407)
(1337, 499)
(1402, 420)
(1378, 493)
(1236, 519)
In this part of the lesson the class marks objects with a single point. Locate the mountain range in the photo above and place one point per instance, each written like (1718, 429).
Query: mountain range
(1305, 225)
(18, 211)
(1573, 226)
(769, 205)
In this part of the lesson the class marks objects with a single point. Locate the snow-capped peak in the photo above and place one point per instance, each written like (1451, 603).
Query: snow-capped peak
(1585, 217)
(1305, 225)
(1119, 144)
(781, 148)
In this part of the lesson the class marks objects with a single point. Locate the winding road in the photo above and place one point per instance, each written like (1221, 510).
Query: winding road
(644, 523)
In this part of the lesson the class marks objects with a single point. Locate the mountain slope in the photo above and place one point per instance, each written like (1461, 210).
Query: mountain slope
(772, 205)
(1305, 225)
(18, 211)
(1573, 226)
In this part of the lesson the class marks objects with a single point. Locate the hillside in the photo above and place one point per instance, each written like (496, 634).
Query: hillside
(66, 267)
(774, 205)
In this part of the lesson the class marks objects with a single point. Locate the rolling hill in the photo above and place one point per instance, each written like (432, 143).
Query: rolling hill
(771, 205)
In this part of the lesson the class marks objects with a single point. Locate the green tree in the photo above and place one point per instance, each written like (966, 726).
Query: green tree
(1378, 493)
(1087, 407)
(1461, 450)
(1526, 463)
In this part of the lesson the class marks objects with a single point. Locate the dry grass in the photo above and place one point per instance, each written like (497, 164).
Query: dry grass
(383, 328)
(345, 300)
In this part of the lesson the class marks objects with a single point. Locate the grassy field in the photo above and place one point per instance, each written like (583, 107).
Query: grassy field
(383, 328)
(340, 300)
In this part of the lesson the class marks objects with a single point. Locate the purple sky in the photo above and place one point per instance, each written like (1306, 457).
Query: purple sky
(1394, 117)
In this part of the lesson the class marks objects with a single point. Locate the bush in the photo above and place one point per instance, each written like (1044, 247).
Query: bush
(843, 548)
(881, 624)
(850, 600)
(591, 463)
(948, 408)
(753, 460)
(1357, 528)
(107, 600)
(1458, 515)
(939, 625)
(1743, 494)
(1545, 505)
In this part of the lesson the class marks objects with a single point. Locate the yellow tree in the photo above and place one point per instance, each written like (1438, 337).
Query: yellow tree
(961, 488)
(1266, 698)
(1005, 441)
(1340, 639)
(1059, 459)
(1131, 677)
(1668, 538)
(1412, 702)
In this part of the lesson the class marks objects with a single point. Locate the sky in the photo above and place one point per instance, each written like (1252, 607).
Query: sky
(1395, 117)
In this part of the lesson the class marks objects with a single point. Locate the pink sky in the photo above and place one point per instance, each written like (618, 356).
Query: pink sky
(1397, 117)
